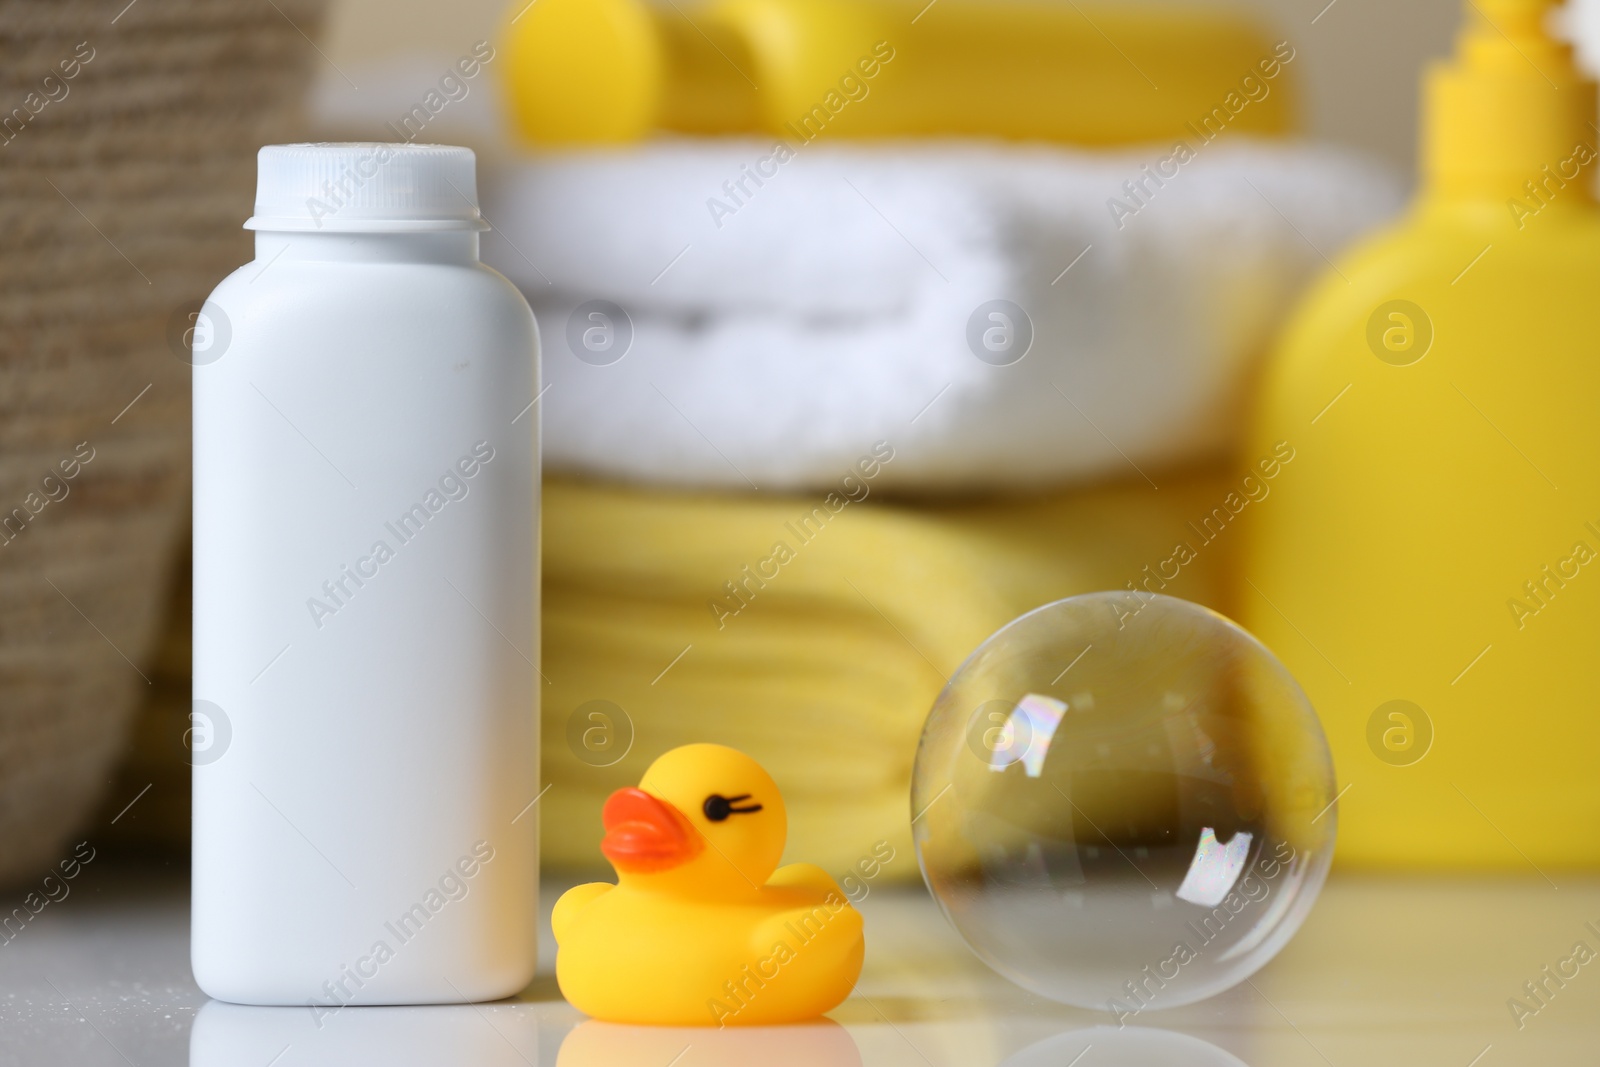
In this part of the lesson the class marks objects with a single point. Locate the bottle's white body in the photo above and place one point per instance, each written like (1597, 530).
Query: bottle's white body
(363, 821)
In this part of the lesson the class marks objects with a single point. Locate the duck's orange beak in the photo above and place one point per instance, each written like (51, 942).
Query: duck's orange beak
(645, 834)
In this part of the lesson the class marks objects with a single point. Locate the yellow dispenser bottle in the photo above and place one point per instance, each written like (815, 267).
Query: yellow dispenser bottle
(1428, 563)
(613, 71)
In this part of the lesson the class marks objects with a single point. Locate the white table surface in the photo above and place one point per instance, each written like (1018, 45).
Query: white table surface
(1408, 972)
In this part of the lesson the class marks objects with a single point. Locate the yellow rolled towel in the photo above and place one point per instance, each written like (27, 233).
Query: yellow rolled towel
(614, 71)
(813, 637)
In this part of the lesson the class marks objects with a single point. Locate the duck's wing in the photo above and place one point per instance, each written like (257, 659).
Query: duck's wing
(825, 930)
(572, 902)
(805, 876)
(817, 904)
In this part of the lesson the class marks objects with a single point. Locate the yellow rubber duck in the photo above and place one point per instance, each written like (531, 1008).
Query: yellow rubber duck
(703, 928)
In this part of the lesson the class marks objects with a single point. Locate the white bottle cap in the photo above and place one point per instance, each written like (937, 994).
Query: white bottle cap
(366, 187)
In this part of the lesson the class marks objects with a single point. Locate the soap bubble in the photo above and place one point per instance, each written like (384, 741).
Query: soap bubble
(1123, 801)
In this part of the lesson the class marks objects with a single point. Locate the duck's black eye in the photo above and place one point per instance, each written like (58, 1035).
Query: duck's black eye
(718, 807)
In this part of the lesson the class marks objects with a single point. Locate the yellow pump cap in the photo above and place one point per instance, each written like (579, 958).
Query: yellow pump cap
(1510, 102)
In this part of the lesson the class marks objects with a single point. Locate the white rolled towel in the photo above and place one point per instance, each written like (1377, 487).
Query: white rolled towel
(737, 314)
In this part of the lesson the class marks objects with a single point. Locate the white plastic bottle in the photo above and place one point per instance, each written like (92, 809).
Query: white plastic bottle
(365, 595)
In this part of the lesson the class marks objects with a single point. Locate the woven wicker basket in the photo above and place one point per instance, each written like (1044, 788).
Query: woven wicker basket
(127, 158)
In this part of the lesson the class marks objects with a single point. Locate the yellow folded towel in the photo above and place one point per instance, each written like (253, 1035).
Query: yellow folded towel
(811, 632)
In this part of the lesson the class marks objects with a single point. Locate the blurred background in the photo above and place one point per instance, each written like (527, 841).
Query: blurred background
(1360, 78)
(793, 333)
